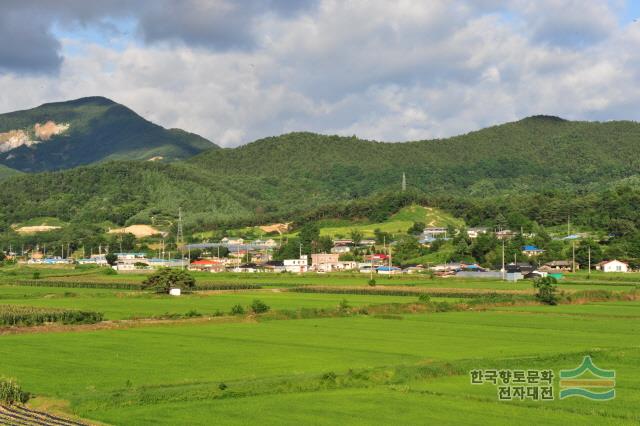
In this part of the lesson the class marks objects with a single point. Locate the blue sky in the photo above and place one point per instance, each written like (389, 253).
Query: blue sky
(393, 71)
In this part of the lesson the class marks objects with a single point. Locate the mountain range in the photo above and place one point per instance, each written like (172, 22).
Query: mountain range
(276, 177)
(64, 135)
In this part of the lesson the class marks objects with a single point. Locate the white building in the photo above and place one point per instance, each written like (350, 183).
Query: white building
(297, 265)
(94, 259)
(612, 266)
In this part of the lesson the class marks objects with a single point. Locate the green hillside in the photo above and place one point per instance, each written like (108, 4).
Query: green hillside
(540, 168)
(63, 135)
(6, 172)
(397, 223)
(531, 154)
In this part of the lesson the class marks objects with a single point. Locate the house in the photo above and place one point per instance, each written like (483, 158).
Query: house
(226, 241)
(476, 232)
(531, 251)
(613, 266)
(558, 265)
(342, 242)
(349, 265)
(325, 262)
(94, 259)
(520, 267)
(388, 270)
(377, 259)
(367, 242)
(434, 232)
(340, 249)
(446, 267)
(414, 269)
(274, 266)
(297, 265)
(505, 234)
(246, 267)
(206, 265)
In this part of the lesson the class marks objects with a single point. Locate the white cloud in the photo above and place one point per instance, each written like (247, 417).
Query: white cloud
(382, 70)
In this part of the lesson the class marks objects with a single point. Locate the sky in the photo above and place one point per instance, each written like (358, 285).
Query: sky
(237, 71)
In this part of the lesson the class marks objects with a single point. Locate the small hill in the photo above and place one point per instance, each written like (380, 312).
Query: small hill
(64, 135)
(396, 224)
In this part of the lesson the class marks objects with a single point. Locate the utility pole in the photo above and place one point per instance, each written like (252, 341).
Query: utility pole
(404, 182)
(503, 269)
(180, 237)
(589, 273)
(573, 249)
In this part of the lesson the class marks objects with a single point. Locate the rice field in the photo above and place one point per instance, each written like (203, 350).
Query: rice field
(363, 369)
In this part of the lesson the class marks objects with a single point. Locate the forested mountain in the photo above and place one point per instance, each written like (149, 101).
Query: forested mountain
(6, 172)
(541, 167)
(63, 135)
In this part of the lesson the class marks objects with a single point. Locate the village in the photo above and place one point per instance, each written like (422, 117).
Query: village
(239, 255)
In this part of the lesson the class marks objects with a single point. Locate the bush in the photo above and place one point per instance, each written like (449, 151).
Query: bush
(371, 282)
(344, 305)
(166, 279)
(36, 275)
(259, 307)
(11, 392)
(547, 288)
(237, 310)
(424, 298)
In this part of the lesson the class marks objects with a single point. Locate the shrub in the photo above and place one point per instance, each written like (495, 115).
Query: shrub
(546, 288)
(36, 275)
(371, 282)
(344, 305)
(424, 298)
(166, 279)
(222, 386)
(237, 310)
(259, 307)
(11, 392)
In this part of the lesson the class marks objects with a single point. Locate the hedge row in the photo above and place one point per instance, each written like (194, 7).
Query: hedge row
(390, 292)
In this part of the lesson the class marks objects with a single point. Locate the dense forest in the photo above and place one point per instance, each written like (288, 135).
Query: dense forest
(98, 129)
(540, 170)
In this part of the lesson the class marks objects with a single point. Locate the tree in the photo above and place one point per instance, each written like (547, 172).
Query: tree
(382, 237)
(416, 228)
(324, 244)
(167, 278)
(308, 235)
(356, 237)
(111, 258)
(546, 287)
(582, 253)
(406, 248)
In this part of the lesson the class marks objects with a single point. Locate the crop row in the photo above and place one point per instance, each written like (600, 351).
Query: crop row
(11, 315)
(129, 286)
(389, 292)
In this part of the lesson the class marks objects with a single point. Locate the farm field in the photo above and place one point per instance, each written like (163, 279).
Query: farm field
(118, 304)
(333, 370)
(578, 281)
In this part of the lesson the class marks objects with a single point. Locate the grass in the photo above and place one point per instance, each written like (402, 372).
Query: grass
(134, 304)
(398, 223)
(411, 370)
